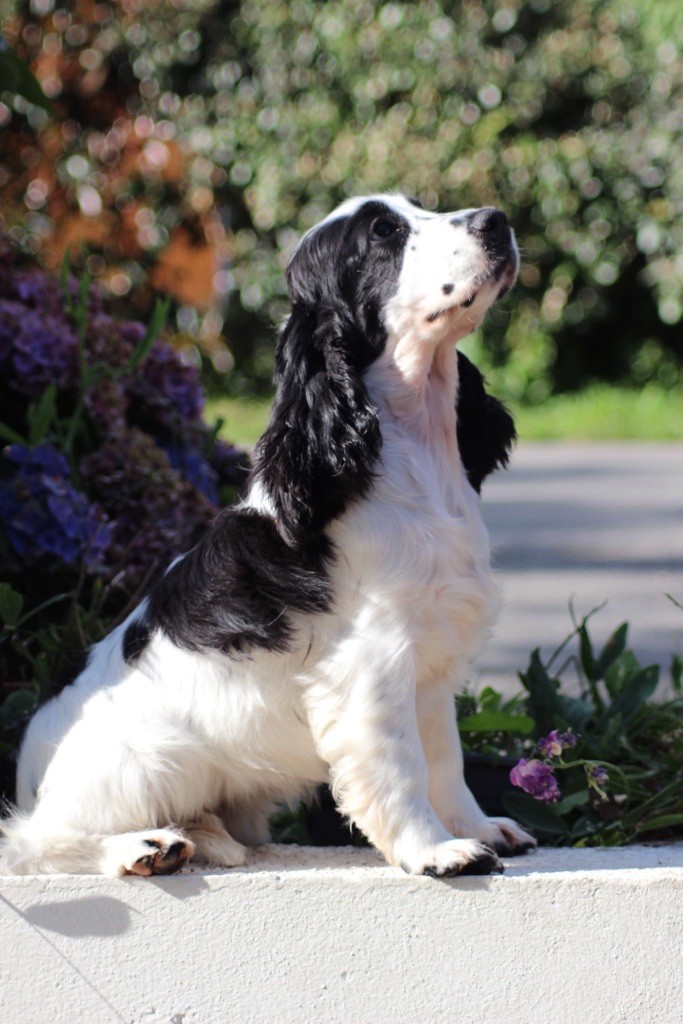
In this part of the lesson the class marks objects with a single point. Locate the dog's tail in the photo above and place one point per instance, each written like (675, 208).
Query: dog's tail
(27, 849)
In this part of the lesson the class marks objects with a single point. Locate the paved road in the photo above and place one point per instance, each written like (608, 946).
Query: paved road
(596, 522)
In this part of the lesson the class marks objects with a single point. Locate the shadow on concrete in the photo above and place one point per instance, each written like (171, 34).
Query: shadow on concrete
(91, 915)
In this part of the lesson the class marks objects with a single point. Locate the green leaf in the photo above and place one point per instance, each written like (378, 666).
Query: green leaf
(497, 721)
(7, 434)
(575, 711)
(11, 604)
(677, 672)
(634, 693)
(537, 816)
(15, 77)
(543, 701)
(156, 325)
(490, 699)
(624, 665)
(64, 273)
(611, 836)
(17, 707)
(55, 599)
(586, 652)
(611, 651)
(663, 821)
(79, 314)
(40, 414)
(572, 801)
(603, 742)
(586, 825)
(673, 789)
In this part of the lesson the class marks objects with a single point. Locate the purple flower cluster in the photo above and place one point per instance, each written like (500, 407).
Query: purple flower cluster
(34, 289)
(143, 452)
(38, 346)
(537, 779)
(170, 376)
(230, 463)
(155, 513)
(42, 512)
(36, 349)
(535, 776)
(194, 469)
(107, 402)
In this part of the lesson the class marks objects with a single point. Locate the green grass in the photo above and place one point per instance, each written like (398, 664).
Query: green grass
(604, 413)
(245, 418)
(600, 413)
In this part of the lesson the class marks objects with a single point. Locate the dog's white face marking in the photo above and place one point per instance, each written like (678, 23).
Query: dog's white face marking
(450, 276)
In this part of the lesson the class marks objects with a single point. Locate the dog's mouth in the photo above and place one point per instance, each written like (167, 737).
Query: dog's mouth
(502, 272)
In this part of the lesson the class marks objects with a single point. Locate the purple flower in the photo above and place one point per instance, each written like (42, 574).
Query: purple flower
(550, 745)
(537, 779)
(598, 774)
(555, 742)
(43, 514)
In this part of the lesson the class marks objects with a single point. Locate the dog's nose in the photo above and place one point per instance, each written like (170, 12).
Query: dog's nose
(490, 225)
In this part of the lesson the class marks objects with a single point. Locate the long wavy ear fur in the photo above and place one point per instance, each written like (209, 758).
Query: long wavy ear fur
(486, 430)
(323, 440)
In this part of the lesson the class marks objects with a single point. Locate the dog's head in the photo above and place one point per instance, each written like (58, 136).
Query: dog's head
(397, 269)
(376, 270)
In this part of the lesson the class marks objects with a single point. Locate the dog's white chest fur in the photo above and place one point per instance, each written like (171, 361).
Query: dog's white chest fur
(416, 558)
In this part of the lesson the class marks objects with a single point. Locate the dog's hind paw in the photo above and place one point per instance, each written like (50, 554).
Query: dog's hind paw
(506, 837)
(156, 852)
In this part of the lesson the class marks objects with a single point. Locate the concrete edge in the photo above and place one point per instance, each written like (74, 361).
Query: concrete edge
(330, 936)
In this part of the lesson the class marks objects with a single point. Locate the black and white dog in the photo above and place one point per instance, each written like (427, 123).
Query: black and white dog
(321, 628)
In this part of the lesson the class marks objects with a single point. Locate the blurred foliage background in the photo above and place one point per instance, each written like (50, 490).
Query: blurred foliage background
(192, 142)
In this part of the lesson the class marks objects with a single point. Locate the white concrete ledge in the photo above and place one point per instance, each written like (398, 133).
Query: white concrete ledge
(317, 936)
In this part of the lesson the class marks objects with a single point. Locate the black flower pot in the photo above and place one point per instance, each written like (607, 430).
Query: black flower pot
(488, 777)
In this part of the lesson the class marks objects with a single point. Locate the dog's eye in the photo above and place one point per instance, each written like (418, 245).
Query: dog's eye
(382, 228)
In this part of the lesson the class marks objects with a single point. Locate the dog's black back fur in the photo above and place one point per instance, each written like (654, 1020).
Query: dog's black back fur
(237, 588)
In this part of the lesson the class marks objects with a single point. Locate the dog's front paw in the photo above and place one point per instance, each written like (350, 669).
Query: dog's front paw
(505, 836)
(455, 857)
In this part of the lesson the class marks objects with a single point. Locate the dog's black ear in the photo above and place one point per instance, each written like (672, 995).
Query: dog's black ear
(486, 430)
(323, 439)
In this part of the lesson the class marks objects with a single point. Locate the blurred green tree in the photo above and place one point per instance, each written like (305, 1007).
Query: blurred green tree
(197, 140)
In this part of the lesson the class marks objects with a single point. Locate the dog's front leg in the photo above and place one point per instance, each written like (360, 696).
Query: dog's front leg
(366, 729)
(448, 792)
